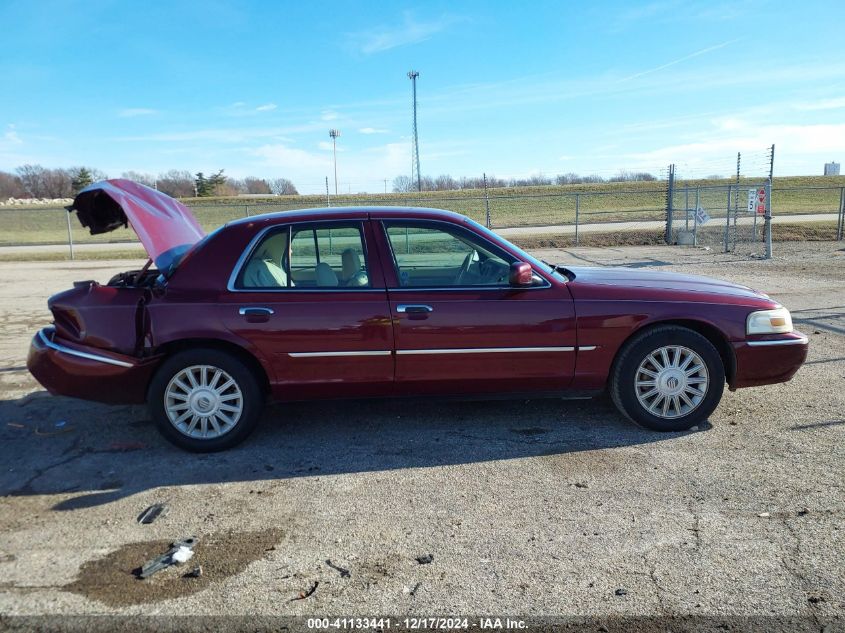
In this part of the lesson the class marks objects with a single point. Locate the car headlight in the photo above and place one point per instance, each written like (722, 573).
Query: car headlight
(769, 322)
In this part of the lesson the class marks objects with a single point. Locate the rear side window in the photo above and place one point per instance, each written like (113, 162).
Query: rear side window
(308, 256)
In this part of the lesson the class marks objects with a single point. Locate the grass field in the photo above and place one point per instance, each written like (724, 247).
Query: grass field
(814, 232)
(525, 206)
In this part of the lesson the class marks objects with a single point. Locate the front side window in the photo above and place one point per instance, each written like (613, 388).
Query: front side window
(308, 256)
(434, 256)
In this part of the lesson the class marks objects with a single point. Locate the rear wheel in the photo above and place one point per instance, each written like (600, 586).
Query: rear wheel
(669, 378)
(205, 400)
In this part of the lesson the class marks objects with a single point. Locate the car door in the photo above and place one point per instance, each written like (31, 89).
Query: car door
(312, 297)
(459, 327)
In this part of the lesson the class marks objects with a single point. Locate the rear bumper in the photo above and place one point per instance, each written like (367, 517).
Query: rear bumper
(67, 369)
(769, 360)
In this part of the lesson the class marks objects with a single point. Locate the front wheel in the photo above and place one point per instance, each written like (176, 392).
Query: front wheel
(668, 379)
(205, 400)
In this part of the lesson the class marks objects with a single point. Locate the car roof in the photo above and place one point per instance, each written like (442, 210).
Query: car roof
(343, 213)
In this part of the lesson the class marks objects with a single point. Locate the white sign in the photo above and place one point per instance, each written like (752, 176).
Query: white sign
(752, 200)
(701, 216)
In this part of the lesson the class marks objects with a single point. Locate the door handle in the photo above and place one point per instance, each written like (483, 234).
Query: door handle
(413, 309)
(255, 311)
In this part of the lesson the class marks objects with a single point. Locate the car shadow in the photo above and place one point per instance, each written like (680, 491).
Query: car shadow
(99, 453)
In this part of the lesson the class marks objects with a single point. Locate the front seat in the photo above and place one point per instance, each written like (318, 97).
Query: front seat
(262, 272)
(326, 277)
(351, 271)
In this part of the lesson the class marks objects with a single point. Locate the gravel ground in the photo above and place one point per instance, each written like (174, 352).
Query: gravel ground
(531, 508)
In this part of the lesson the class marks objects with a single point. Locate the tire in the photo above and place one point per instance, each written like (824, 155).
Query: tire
(203, 400)
(651, 396)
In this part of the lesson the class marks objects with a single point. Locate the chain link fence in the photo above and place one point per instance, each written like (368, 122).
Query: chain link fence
(714, 215)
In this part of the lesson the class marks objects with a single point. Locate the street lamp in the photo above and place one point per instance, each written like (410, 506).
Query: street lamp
(334, 134)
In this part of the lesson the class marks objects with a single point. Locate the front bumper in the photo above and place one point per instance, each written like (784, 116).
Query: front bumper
(768, 360)
(78, 371)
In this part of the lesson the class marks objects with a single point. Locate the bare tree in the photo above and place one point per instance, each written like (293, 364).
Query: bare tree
(11, 186)
(145, 179)
(32, 179)
(177, 183)
(282, 187)
(402, 184)
(256, 185)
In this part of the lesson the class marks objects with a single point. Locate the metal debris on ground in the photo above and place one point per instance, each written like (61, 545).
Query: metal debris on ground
(179, 552)
(153, 512)
(621, 591)
(411, 591)
(196, 572)
(344, 573)
(56, 429)
(304, 594)
(425, 560)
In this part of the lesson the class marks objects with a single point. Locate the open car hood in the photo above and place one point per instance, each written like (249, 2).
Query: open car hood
(166, 227)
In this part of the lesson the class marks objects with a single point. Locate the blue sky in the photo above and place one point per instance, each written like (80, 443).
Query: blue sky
(507, 88)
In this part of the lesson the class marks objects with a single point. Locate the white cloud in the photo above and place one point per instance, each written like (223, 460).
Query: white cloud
(128, 113)
(10, 137)
(410, 31)
(371, 130)
(329, 115)
(267, 107)
(326, 145)
(282, 157)
(822, 104)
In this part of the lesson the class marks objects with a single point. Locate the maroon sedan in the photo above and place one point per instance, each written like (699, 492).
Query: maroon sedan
(377, 302)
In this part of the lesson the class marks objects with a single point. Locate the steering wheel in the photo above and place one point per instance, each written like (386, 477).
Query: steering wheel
(468, 260)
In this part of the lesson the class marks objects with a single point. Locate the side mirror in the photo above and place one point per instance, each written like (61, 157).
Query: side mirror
(521, 274)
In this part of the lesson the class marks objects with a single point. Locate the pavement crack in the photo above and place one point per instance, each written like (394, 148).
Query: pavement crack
(658, 590)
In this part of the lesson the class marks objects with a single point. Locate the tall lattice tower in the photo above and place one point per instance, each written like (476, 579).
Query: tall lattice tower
(415, 146)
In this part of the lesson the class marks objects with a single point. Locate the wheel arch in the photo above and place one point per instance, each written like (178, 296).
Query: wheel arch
(170, 348)
(707, 330)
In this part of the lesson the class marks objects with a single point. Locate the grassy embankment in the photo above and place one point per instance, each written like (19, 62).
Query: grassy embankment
(524, 206)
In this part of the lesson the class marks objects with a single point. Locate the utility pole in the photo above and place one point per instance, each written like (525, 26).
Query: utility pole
(385, 185)
(415, 147)
(334, 134)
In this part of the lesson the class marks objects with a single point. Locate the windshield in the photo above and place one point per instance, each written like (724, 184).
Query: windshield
(536, 263)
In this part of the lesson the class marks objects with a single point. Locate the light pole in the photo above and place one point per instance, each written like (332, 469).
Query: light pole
(334, 134)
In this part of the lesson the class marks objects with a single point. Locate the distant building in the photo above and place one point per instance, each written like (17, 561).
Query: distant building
(831, 169)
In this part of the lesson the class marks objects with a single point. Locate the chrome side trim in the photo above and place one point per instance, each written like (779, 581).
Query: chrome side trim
(587, 348)
(483, 350)
(789, 341)
(378, 352)
(73, 352)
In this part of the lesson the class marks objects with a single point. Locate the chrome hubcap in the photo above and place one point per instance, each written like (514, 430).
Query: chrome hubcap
(203, 401)
(671, 381)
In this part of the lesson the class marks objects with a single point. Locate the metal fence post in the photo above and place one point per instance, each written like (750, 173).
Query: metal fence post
(728, 218)
(486, 200)
(69, 234)
(670, 194)
(246, 210)
(577, 214)
(695, 215)
(841, 225)
(769, 217)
